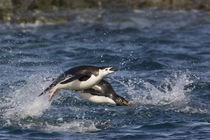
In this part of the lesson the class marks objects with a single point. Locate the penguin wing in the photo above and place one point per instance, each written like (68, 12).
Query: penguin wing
(67, 77)
(103, 88)
(80, 77)
(93, 92)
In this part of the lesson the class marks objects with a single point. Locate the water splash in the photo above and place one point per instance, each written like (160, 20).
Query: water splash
(171, 90)
(75, 126)
(23, 108)
(25, 102)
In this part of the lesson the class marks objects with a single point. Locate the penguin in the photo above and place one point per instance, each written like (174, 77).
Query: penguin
(79, 78)
(103, 93)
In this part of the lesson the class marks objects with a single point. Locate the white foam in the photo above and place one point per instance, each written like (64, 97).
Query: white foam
(146, 93)
(176, 93)
(25, 102)
(75, 126)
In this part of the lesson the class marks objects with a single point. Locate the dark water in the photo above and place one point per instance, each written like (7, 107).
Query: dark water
(164, 60)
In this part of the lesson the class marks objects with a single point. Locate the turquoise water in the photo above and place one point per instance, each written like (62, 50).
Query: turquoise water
(163, 58)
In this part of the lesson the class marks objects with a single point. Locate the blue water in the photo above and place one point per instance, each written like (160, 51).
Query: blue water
(164, 71)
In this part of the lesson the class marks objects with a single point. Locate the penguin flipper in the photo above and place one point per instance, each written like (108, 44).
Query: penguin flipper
(80, 77)
(93, 92)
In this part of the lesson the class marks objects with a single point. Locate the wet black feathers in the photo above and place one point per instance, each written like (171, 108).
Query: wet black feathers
(104, 90)
(79, 77)
(81, 73)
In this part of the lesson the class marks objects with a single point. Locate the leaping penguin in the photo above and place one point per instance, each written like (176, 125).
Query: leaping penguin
(103, 93)
(79, 78)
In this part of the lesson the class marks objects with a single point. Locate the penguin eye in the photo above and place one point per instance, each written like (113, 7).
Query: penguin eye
(106, 69)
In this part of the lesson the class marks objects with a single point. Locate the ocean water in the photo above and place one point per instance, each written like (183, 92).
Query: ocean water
(164, 71)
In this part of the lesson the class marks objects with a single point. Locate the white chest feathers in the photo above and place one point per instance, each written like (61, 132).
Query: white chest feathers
(90, 82)
(96, 99)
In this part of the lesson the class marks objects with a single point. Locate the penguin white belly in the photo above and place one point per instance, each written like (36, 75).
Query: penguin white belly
(96, 99)
(93, 80)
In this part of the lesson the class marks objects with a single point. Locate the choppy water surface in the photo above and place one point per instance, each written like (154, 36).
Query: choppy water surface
(164, 60)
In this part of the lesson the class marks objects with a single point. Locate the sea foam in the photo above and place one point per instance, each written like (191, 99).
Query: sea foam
(24, 102)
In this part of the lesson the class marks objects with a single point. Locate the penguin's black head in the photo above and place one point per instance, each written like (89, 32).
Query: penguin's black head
(120, 101)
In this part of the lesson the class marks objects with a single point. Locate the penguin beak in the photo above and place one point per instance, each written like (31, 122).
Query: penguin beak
(126, 103)
(113, 68)
(120, 101)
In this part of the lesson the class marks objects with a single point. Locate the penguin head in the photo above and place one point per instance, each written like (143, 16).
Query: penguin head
(107, 70)
(120, 101)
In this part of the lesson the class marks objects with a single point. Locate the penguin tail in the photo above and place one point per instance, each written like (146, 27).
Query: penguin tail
(45, 91)
(42, 93)
(49, 88)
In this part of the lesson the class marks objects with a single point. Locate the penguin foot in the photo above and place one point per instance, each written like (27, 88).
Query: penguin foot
(52, 92)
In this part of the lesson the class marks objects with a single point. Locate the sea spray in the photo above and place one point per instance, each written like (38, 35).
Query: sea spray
(170, 90)
(25, 109)
(24, 102)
